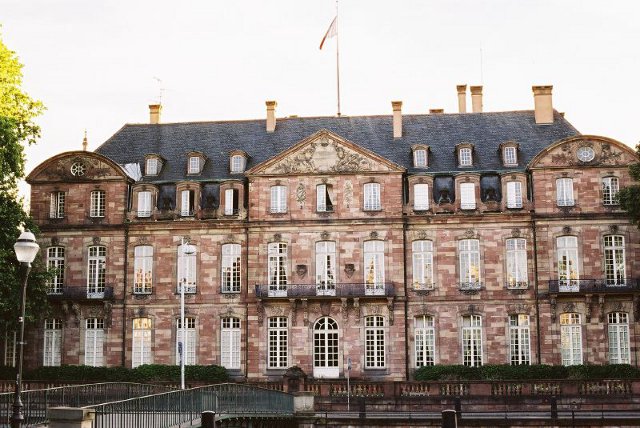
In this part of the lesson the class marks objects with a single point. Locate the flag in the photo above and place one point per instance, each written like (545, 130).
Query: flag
(331, 32)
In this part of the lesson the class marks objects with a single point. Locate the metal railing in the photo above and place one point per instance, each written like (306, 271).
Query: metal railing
(325, 290)
(603, 285)
(81, 293)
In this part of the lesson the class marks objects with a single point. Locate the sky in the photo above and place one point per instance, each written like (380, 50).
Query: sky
(98, 64)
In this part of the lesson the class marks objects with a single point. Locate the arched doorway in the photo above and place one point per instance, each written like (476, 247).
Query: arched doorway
(325, 348)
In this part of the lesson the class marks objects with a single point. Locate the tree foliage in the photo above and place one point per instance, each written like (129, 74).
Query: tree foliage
(630, 195)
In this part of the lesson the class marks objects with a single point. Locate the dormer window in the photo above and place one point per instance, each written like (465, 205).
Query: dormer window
(420, 156)
(509, 154)
(237, 162)
(464, 156)
(152, 165)
(195, 163)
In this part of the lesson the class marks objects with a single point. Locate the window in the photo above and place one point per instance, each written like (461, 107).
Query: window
(374, 357)
(422, 265)
(614, 268)
(464, 157)
(97, 203)
(141, 348)
(610, 188)
(56, 205)
(55, 260)
(143, 269)
(618, 330)
(323, 198)
(277, 269)
(144, 204)
(467, 196)
(187, 201)
(52, 342)
(230, 343)
(278, 199)
(372, 197)
(424, 333)
(194, 165)
(10, 348)
(374, 267)
(420, 197)
(231, 202)
(152, 166)
(96, 271)
(568, 274)
(514, 194)
(517, 276)
(519, 339)
(231, 268)
(564, 192)
(420, 158)
(469, 254)
(472, 340)
(237, 164)
(325, 348)
(326, 268)
(278, 343)
(570, 339)
(186, 268)
(94, 342)
(186, 346)
(510, 155)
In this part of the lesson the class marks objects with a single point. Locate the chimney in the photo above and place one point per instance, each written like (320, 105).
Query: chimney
(397, 118)
(476, 99)
(154, 113)
(436, 110)
(462, 98)
(271, 115)
(543, 104)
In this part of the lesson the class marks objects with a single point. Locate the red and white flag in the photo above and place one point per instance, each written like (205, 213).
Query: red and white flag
(331, 32)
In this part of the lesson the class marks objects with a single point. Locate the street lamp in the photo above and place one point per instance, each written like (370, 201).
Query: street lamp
(26, 249)
(187, 250)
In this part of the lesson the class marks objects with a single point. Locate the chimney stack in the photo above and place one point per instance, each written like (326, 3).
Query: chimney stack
(154, 113)
(476, 99)
(397, 118)
(271, 115)
(543, 104)
(436, 110)
(462, 98)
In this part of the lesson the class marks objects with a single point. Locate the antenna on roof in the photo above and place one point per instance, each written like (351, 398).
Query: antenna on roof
(160, 89)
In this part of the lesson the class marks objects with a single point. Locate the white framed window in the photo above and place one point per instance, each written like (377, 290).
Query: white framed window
(325, 348)
(422, 253)
(465, 157)
(618, 332)
(510, 155)
(55, 260)
(194, 164)
(186, 268)
(564, 192)
(469, 258)
(472, 340)
(96, 271)
(151, 167)
(420, 197)
(94, 342)
(188, 344)
(517, 272)
(10, 341)
(467, 196)
(323, 198)
(425, 338)
(237, 164)
(187, 203)
(52, 342)
(568, 273)
(231, 268)
(143, 269)
(374, 333)
(231, 202)
(372, 197)
(278, 343)
(374, 267)
(610, 188)
(141, 342)
(144, 204)
(97, 206)
(420, 158)
(614, 265)
(326, 268)
(514, 194)
(519, 339)
(277, 265)
(278, 199)
(56, 205)
(230, 335)
(570, 339)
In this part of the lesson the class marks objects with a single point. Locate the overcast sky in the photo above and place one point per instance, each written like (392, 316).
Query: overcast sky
(95, 63)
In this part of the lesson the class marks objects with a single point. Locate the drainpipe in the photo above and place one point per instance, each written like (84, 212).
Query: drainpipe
(246, 281)
(535, 271)
(406, 300)
(124, 297)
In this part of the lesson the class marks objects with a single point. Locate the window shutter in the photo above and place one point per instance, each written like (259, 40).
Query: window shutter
(467, 196)
(321, 197)
(228, 202)
(420, 197)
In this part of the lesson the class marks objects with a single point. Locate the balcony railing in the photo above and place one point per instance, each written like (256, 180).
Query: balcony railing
(325, 290)
(622, 285)
(81, 293)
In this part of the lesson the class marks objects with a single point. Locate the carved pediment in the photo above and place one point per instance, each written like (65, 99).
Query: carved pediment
(76, 166)
(585, 151)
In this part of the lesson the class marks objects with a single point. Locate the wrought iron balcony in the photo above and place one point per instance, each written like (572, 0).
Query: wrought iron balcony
(621, 285)
(324, 290)
(81, 293)
(470, 287)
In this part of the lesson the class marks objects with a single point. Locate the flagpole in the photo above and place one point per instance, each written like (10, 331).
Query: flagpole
(337, 58)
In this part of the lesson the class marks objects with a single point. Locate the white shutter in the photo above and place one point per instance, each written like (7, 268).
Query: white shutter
(184, 204)
(467, 196)
(421, 197)
(144, 204)
(514, 194)
(228, 202)
(321, 197)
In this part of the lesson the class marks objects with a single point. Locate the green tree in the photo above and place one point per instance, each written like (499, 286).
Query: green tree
(630, 195)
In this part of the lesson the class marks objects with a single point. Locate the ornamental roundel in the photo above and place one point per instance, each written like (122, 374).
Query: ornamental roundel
(78, 169)
(585, 154)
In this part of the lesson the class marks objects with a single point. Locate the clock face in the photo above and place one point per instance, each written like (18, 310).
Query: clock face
(586, 154)
(78, 169)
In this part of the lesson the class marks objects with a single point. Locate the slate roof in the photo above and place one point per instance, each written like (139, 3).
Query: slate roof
(441, 132)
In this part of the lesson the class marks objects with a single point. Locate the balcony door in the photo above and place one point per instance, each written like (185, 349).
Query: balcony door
(568, 274)
(326, 268)
(325, 348)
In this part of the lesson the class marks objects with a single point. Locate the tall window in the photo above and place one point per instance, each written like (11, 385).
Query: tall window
(56, 205)
(55, 260)
(278, 199)
(610, 188)
(472, 340)
(237, 164)
(425, 334)
(618, 330)
(568, 274)
(52, 342)
(469, 255)
(422, 265)
(187, 203)
(187, 345)
(374, 357)
(467, 196)
(143, 267)
(564, 192)
(570, 339)
(151, 166)
(144, 204)
(464, 157)
(230, 343)
(420, 158)
(231, 203)
(374, 267)
(514, 194)
(194, 164)
(278, 343)
(519, 339)
(94, 342)
(517, 276)
(96, 271)
(186, 268)
(420, 197)
(141, 348)
(10, 348)
(325, 348)
(372, 197)
(510, 155)
(614, 268)
(97, 203)
(277, 269)
(231, 268)
(326, 267)
(323, 198)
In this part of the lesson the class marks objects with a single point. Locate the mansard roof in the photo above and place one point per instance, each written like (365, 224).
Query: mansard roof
(441, 132)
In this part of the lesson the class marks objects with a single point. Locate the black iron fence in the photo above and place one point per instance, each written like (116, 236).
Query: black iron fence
(81, 293)
(601, 285)
(325, 290)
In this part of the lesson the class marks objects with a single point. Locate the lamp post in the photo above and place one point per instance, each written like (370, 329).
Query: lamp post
(187, 250)
(26, 249)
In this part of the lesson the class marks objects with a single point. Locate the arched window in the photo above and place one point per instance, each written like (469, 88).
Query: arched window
(325, 348)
